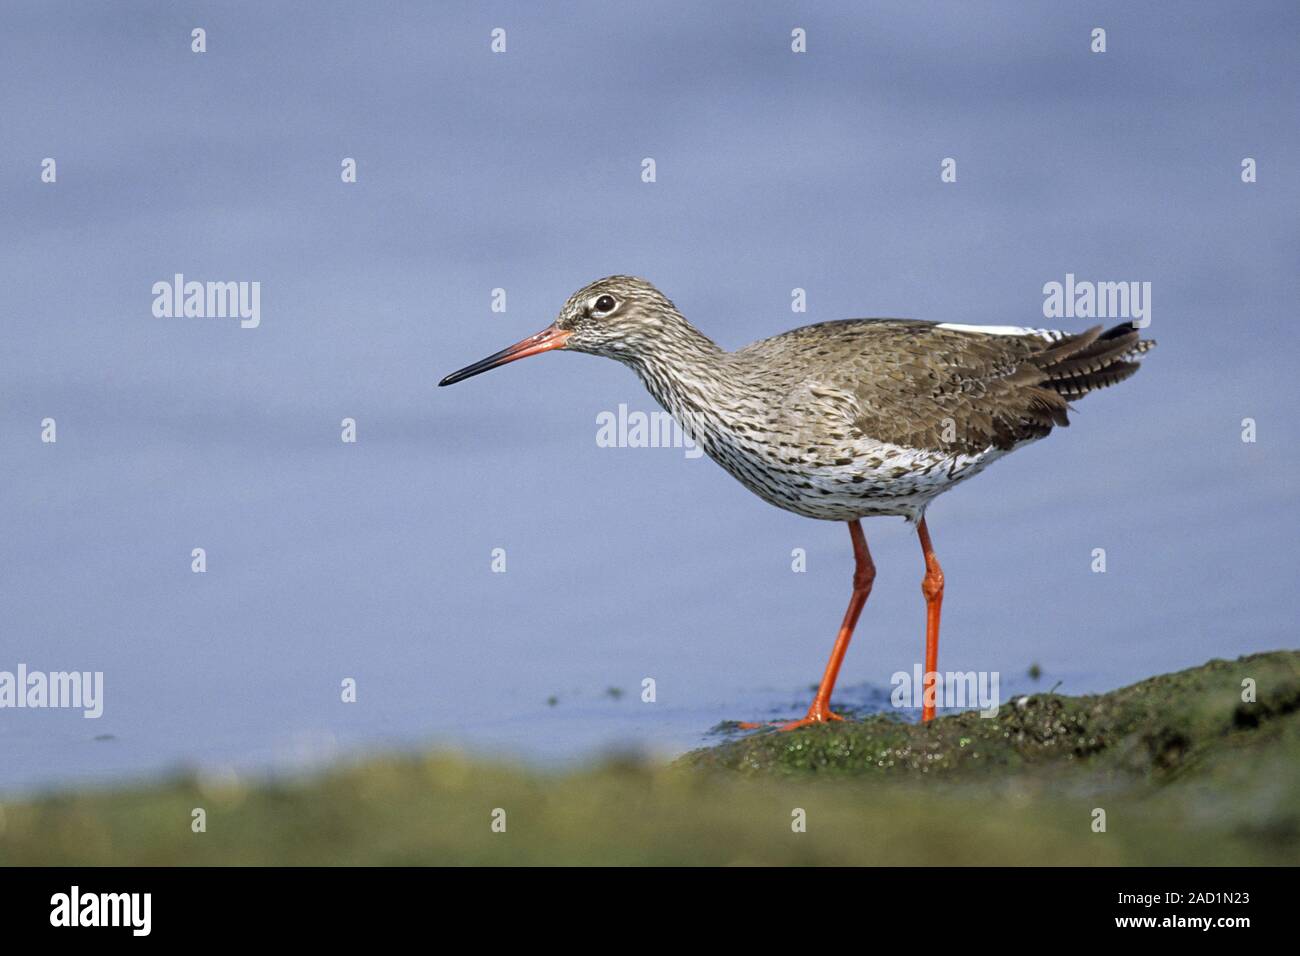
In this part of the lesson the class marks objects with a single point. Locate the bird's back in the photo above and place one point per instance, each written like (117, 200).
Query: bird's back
(923, 385)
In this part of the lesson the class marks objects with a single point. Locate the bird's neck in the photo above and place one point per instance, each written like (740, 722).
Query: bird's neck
(682, 368)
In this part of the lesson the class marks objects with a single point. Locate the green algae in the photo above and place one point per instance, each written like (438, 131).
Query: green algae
(1149, 728)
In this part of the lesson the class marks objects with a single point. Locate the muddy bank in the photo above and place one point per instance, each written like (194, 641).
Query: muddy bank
(1149, 730)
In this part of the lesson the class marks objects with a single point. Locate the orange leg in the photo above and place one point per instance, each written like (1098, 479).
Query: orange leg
(864, 574)
(932, 588)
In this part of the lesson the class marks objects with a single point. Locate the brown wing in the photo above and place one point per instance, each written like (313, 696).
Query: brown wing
(922, 386)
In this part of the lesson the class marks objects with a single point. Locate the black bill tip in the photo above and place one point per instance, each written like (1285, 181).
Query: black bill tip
(549, 338)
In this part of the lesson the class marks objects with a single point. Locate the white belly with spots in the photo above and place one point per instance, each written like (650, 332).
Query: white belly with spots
(882, 479)
(888, 480)
(861, 479)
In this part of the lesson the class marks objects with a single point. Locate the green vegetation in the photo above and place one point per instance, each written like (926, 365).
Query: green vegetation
(1185, 770)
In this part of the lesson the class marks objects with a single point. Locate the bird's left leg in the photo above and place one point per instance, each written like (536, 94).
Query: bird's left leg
(864, 573)
(932, 588)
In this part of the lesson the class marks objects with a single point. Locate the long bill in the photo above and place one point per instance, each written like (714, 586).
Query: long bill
(549, 338)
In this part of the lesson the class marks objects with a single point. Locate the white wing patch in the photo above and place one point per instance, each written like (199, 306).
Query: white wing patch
(1052, 335)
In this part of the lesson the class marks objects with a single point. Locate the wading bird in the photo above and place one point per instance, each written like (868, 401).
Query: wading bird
(845, 420)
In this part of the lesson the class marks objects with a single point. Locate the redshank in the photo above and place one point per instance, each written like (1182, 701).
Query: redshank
(845, 420)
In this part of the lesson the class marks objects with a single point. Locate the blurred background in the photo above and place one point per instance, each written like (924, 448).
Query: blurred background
(522, 170)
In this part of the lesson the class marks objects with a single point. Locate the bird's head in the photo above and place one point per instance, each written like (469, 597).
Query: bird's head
(618, 317)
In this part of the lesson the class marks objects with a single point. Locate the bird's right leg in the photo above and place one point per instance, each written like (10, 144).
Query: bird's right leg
(932, 588)
(864, 574)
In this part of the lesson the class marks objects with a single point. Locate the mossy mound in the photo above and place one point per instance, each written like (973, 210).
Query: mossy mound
(1151, 728)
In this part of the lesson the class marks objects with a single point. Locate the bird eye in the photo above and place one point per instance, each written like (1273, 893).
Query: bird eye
(606, 303)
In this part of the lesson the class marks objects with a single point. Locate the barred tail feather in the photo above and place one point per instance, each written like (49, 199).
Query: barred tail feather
(1091, 360)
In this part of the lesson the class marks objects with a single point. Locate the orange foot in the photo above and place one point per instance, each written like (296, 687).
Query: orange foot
(817, 714)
